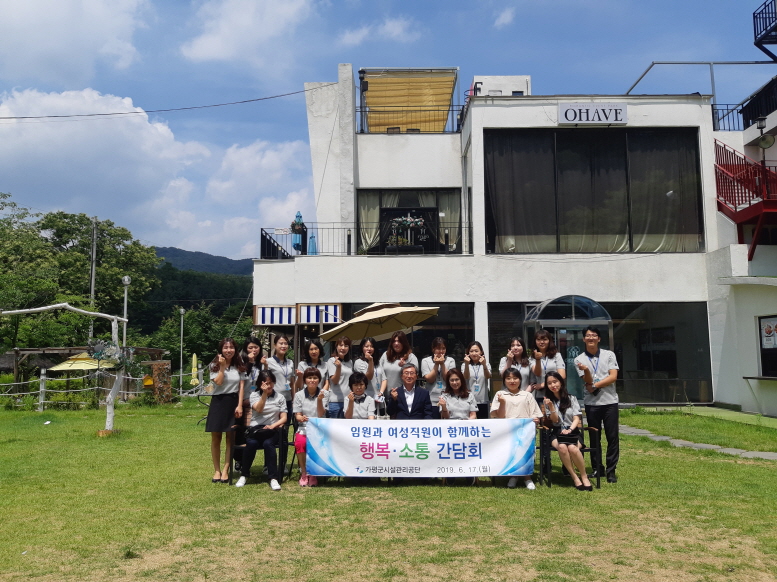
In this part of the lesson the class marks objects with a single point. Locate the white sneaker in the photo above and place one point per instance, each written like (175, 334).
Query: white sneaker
(240, 482)
(512, 483)
(529, 485)
(274, 485)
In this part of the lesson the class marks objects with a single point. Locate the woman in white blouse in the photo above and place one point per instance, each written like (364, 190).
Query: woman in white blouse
(456, 402)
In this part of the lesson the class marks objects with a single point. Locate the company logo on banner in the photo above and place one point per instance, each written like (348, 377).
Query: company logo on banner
(420, 448)
(593, 113)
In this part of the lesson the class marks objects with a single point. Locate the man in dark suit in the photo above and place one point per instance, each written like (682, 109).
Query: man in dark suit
(408, 402)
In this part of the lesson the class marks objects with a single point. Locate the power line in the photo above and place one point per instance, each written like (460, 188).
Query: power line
(86, 115)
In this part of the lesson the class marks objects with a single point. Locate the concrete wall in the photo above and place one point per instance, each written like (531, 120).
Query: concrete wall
(409, 161)
(453, 278)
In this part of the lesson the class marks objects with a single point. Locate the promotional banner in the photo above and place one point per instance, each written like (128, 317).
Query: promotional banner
(420, 448)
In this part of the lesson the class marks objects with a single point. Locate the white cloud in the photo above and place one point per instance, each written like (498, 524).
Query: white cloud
(135, 172)
(62, 42)
(399, 29)
(504, 18)
(355, 37)
(255, 31)
(260, 169)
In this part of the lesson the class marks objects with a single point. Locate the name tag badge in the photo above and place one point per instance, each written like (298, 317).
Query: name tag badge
(476, 387)
(286, 386)
(439, 385)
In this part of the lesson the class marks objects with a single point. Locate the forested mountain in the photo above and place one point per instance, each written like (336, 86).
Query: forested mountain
(203, 262)
(188, 289)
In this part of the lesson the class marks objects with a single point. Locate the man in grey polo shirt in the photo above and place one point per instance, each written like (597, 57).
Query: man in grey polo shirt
(599, 370)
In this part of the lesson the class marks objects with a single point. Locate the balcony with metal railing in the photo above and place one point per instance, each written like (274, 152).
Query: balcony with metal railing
(765, 26)
(385, 238)
(409, 119)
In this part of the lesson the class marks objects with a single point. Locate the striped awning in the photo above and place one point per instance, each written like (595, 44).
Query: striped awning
(317, 313)
(275, 314)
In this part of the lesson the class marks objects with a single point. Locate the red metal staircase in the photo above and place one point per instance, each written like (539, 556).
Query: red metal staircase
(747, 191)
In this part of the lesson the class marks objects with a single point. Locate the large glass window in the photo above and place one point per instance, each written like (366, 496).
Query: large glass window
(381, 229)
(592, 190)
(663, 349)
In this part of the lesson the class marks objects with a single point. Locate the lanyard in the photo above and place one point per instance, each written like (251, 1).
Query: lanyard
(285, 371)
(590, 361)
(546, 361)
(478, 374)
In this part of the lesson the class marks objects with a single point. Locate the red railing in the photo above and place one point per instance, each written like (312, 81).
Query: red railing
(742, 181)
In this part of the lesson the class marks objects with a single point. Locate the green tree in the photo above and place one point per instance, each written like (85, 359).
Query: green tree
(202, 332)
(28, 271)
(118, 254)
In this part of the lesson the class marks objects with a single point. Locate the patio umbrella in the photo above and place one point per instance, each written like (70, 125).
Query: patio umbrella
(379, 319)
(81, 362)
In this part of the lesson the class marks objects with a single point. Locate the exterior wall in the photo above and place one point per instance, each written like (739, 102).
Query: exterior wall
(343, 161)
(455, 278)
(746, 303)
(736, 299)
(409, 161)
(323, 114)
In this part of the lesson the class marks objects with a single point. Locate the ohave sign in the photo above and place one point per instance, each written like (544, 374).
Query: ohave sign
(592, 114)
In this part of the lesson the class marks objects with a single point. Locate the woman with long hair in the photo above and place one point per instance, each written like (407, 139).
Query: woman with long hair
(546, 359)
(396, 356)
(434, 368)
(339, 367)
(518, 358)
(477, 372)
(251, 354)
(312, 357)
(268, 419)
(368, 364)
(456, 402)
(227, 372)
(564, 412)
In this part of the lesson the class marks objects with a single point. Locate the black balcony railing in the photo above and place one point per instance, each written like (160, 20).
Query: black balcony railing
(761, 104)
(409, 119)
(765, 21)
(379, 238)
(727, 117)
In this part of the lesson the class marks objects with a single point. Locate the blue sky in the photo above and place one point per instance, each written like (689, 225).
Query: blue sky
(207, 180)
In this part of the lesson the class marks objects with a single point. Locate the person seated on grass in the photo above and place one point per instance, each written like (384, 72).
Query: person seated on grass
(359, 406)
(269, 415)
(564, 412)
(305, 407)
(513, 403)
(456, 402)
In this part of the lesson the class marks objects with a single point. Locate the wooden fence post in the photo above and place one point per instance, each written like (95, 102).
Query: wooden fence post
(42, 392)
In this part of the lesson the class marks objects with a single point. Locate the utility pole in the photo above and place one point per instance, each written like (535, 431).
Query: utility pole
(93, 272)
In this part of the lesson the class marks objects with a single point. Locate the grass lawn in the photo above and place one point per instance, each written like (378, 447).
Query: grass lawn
(702, 429)
(140, 506)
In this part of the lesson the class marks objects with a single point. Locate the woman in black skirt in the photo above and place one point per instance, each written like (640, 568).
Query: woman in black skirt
(564, 413)
(228, 373)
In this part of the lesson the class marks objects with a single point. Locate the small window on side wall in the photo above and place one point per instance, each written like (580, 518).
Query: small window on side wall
(767, 339)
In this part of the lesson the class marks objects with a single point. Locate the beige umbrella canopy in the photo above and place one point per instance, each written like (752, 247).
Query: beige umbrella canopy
(81, 362)
(380, 319)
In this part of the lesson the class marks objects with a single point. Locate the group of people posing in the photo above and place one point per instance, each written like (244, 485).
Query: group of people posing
(394, 385)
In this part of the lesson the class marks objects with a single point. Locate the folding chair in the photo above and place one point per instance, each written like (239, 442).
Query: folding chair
(546, 467)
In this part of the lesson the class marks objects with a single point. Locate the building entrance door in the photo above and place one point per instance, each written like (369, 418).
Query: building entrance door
(566, 318)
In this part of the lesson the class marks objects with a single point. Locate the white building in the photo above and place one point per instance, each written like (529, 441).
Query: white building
(612, 197)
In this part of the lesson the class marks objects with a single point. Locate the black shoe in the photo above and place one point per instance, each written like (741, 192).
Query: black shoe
(611, 478)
